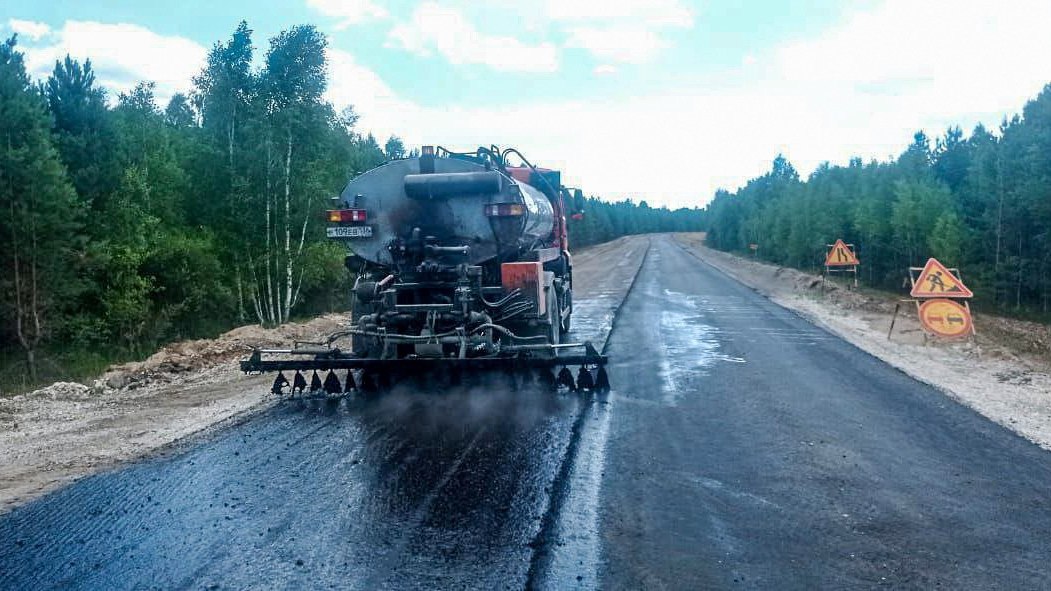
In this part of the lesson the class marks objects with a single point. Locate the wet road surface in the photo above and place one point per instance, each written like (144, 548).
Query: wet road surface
(741, 447)
(363, 495)
(749, 448)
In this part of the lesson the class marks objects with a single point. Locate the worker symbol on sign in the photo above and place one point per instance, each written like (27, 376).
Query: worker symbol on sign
(936, 281)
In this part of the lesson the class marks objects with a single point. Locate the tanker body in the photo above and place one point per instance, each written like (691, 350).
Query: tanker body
(448, 200)
(461, 262)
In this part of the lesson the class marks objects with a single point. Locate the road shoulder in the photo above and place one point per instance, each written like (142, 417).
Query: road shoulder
(1002, 376)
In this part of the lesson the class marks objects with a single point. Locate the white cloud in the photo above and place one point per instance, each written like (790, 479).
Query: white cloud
(604, 70)
(625, 31)
(861, 88)
(657, 13)
(618, 44)
(349, 12)
(121, 55)
(622, 31)
(903, 66)
(381, 111)
(29, 29)
(955, 57)
(448, 32)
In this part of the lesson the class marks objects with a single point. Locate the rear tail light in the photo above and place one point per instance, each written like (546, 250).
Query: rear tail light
(504, 209)
(347, 215)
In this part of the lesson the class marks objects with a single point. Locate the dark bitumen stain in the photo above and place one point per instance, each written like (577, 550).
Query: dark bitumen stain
(545, 540)
(438, 489)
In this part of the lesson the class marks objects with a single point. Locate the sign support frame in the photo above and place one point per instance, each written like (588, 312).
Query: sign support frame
(914, 273)
(829, 269)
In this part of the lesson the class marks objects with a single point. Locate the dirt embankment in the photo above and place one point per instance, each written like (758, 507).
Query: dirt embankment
(66, 430)
(1004, 374)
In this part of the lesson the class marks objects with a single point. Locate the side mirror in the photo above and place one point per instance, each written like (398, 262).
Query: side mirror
(578, 204)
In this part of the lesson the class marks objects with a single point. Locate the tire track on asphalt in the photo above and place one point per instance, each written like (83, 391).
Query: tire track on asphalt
(397, 552)
(546, 538)
(129, 527)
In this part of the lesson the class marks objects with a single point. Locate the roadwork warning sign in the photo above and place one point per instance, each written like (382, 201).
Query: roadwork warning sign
(945, 318)
(935, 281)
(840, 255)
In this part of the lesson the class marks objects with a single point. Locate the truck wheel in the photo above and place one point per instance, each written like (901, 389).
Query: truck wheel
(361, 345)
(567, 305)
(554, 315)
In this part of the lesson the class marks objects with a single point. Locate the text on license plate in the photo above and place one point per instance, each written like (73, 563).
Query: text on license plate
(349, 232)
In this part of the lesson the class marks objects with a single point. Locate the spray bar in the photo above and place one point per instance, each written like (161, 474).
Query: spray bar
(333, 359)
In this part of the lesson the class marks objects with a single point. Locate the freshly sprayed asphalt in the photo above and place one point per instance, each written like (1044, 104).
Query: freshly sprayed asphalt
(749, 448)
(741, 447)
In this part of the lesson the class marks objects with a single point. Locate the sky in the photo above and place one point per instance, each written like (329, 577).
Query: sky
(657, 100)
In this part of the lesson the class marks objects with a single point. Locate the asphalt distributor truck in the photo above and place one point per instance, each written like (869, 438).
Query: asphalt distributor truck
(462, 264)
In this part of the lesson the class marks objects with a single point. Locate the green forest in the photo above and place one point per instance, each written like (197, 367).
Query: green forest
(980, 202)
(128, 224)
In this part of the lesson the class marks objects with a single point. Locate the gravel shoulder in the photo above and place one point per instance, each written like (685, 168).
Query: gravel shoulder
(1005, 374)
(57, 434)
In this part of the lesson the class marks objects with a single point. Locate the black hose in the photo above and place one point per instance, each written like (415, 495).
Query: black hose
(515, 311)
(503, 156)
(507, 332)
(501, 302)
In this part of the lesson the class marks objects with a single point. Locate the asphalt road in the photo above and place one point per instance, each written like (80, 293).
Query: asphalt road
(741, 447)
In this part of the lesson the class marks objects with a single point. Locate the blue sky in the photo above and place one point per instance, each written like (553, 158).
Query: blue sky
(663, 100)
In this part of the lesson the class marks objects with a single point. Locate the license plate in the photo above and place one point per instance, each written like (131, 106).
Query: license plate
(349, 232)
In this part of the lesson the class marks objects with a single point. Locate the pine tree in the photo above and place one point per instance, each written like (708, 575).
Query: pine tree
(83, 132)
(394, 148)
(40, 224)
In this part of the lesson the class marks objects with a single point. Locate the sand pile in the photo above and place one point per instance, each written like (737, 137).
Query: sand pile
(185, 358)
(61, 391)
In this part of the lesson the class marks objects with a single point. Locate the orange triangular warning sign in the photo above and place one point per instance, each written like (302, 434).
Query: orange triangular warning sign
(841, 256)
(936, 281)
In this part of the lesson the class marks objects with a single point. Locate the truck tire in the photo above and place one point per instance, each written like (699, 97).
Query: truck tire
(362, 346)
(554, 316)
(567, 304)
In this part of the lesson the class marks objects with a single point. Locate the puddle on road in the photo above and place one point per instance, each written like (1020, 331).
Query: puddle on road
(688, 345)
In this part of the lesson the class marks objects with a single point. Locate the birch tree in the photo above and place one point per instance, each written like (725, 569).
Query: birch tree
(225, 92)
(292, 82)
(225, 89)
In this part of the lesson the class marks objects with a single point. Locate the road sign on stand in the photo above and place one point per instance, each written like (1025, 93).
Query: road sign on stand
(946, 318)
(939, 316)
(841, 256)
(936, 281)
